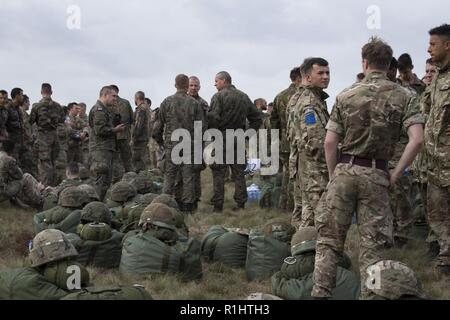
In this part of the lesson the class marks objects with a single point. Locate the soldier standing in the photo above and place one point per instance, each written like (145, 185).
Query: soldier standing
(3, 114)
(29, 165)
(178, 111)
(278, 120)
(230, 109)
(47, 114)
(194, 88)
(437, 141)
(366, 119)
(139, 132)
(124, 115)
(14, 123)
(102, 141)
(82, 116)
(311, 116)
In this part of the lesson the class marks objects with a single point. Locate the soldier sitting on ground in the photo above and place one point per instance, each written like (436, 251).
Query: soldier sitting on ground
(21, 189)
(72, 180)
(49, 275)
(121, 198)
(61, 217)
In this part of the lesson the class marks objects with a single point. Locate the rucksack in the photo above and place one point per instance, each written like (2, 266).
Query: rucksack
(221, 245)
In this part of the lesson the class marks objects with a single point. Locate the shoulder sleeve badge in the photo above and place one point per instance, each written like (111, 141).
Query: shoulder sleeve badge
(310, 116)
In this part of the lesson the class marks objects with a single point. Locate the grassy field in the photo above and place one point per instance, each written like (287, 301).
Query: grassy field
(218, 282)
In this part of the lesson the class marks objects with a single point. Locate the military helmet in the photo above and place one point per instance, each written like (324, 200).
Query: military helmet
(50, 245)
(158, 214)
(142, 184)
(128, 176)
(122, 192)
(73, 197)
(96, 212)
(304, 234)
(166, 199)
(147, 198)
(279, 229)
(95, 231)
(90, 190)
(393, 280)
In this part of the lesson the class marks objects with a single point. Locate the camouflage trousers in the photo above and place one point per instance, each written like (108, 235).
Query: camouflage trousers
(314, 180)
(74, 153)
(124, 149)
(101, 168)
(219, 172)
(138, 157)
(61, 165)
(30, 193)
(27, 160)
(152, 148)
(400, 201)
(438, 211)
(178, 173)
(352, 188)
(48, 151)
(295, 180)
(287, 188)
(198, 182)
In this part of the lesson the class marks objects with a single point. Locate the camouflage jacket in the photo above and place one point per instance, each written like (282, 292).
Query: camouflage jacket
(279, 116)
(204, 106)
(231, 108)
(14, 123)
(139, 131)
(369, 116)
(10, 177)
(178, 111)
(47, 114)
(29, 135)
(3, 118)
(437, 141)
(310, 117)
(123, 108)
(417, 86)
(101, 126)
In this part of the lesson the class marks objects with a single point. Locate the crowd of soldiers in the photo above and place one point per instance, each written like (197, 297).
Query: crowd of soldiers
(364, 160)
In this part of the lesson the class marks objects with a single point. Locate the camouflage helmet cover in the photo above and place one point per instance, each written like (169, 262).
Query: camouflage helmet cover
(96, 212)
(73, 197)
(122, 191)
(50, 245)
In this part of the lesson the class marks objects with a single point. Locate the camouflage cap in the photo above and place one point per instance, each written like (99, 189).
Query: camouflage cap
(128, 176)
(122, 191)
(96, 212)
(50, 245)
(394, 280)
(90, 190)
(159, 215)
(73, 197)
(166, 199)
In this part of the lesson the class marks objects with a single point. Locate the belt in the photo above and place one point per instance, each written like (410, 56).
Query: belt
(363, 162)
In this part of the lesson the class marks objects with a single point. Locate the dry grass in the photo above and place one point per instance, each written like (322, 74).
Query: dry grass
(219, 282)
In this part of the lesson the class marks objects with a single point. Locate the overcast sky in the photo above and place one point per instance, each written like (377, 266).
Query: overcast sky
(143, 45)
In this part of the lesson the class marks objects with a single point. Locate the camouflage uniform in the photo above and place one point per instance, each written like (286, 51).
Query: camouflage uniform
(278, 120)
(74, 141)
(198, 169)
(416, 86)
(47, 114)
(230, 108)
(15, 184)
(152, 144)
(310, 116)
(178, 111)
(28, 163)
(139, 137)
(85, 143)
(64, 132)
(294, 159)
(368, 117)
(102, 145)
(437, 143)
(123, 108)
(14, 127)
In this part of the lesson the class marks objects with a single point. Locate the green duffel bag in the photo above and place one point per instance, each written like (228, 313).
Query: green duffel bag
(347, 286)
(265, 255)
(102, 254)
(144, 254)
(135, 292)
(221, 245)
(27, 284)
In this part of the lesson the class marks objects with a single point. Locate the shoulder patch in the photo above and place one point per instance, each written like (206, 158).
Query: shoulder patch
(310, 116)
(100, 108)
